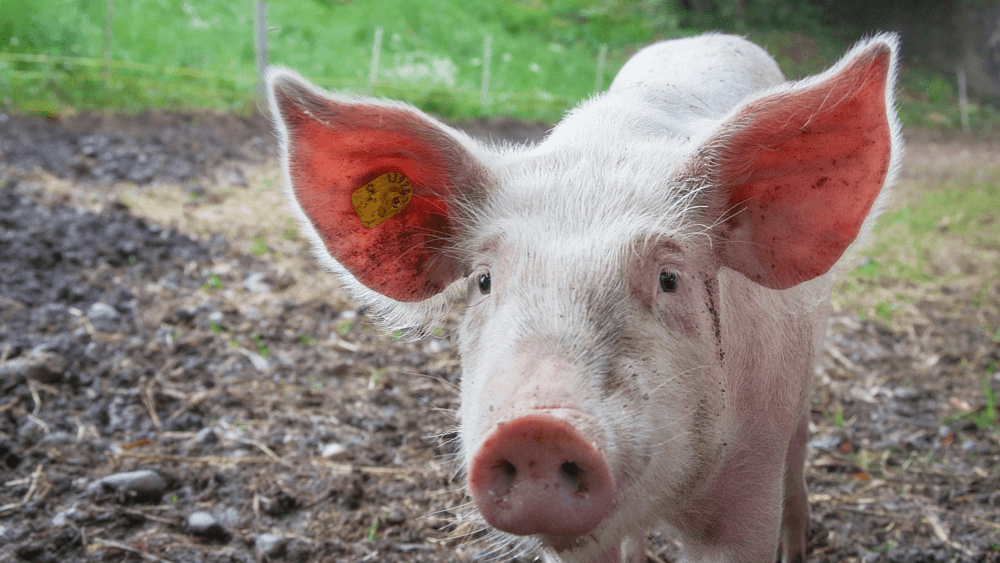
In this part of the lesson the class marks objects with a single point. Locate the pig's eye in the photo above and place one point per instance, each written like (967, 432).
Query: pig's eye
(484, 283)
(668, 282)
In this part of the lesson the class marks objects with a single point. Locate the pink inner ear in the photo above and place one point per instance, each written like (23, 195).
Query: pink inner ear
(805, 167)
(334, 148)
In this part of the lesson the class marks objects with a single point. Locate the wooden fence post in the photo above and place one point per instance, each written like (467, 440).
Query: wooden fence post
(485, 87)
(376, 51)
(109, 19)
(602, 57)
(963, 100)
(260, 47)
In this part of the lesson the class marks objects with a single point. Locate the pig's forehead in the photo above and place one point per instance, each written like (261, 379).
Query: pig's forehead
(602, 177)
(546, 247)
(619, 194)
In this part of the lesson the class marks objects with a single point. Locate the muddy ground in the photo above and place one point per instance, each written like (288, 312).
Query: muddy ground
(179, 383)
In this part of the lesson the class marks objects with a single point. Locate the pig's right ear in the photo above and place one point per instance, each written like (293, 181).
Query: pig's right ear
(379, 182)
(793, 174)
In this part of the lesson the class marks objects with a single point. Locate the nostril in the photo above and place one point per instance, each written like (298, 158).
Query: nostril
(574, 475)
(506, 470)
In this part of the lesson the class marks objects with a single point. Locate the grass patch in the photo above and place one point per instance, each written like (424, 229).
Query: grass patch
(944, 240)
(987, 416)
(918, 242)
(193, 55)
(543, 57)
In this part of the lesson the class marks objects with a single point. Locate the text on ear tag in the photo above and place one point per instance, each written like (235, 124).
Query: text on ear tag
(381, 198)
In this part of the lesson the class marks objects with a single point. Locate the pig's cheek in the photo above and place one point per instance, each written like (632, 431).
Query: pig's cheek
(682, 321)
(691, 319)
(678, 313)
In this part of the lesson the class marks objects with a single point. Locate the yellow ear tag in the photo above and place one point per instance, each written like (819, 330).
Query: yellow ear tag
(381, 198)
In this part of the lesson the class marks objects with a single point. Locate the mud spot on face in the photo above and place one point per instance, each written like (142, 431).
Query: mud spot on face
(617, 381)
(713, 311)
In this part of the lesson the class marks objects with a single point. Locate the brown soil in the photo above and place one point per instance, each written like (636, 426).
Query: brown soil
(237, 372)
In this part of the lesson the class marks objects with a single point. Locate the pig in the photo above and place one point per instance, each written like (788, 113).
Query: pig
(645, 291)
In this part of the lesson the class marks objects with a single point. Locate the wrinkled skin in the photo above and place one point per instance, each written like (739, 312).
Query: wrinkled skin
(646, 290)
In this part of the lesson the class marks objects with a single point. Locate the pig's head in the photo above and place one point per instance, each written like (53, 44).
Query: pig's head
(594, 392)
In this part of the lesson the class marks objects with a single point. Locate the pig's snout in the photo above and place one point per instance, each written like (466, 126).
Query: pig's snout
(538, 474)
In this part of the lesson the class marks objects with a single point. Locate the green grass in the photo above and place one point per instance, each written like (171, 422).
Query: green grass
(370, 534)
(200, 54)
(988, 416)
(937, 249)
(836, 417)
(214, 282)
(262, 349)
(914, 243)
(181, 54)
(944, 238)
(258, 245)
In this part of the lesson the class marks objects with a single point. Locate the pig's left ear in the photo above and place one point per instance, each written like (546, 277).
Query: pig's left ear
(379, 183)
(796, 171)
(379, 187)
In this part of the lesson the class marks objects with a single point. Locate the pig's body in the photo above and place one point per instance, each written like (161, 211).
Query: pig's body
(647, 289)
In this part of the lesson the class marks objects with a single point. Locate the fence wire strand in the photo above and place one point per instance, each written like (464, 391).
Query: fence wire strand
(149, 76)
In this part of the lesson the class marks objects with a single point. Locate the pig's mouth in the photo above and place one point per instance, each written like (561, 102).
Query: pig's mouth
(539, 475)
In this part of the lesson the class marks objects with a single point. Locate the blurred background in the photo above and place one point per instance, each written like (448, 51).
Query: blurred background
(160, 312)
(531, 59)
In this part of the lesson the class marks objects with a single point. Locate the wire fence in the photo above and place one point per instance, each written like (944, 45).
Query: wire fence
(104, 80)
(91, 82)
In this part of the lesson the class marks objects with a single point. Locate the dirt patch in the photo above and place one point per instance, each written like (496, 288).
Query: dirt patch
(948, 152)
(155, 147)
(144, 148)
(274, 422)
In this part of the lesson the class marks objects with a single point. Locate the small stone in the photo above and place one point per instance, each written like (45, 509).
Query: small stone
(332, 450)
(269, 546)
(103, 317)
(228, 516)
(255, 282)
(69, 515)
(259, 362)
(206, 436)
(43, 366)
(204, 525)
(825, 443)
(144, 485)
